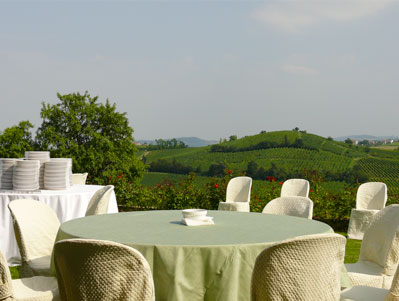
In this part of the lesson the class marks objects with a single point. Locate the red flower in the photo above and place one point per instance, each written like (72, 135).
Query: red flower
(149, 187)
(281, 183)
(311, 190)
(110, 177)
(273, 179)
(119, 177)
(216, 185)
(229, 171)
(268, 177)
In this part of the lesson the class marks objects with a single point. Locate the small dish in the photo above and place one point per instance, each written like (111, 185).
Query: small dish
(191, 213)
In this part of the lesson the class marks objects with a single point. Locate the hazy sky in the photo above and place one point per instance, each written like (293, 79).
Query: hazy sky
(209, 69)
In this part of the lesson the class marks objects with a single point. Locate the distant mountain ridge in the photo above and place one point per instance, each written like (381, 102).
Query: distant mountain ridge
(365, 137)
(190, 141)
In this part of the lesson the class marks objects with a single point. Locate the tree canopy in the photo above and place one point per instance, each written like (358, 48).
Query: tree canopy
(95, 135)
(15, 140)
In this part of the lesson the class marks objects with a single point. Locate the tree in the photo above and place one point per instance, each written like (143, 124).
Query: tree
(252, 168)
(96, 136)
(349, 142)
(16, 140)
(233, 138)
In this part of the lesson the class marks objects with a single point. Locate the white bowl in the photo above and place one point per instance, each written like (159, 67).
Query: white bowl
(190, 213)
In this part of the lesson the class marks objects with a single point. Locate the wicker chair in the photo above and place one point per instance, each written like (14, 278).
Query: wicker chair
(79, 178)
(370, 198)
(296, 269)
(35, 227)
(293, 206)
(36, 288)
(367, 293)
(238, 195)
(379, 253)
(99, 201)
(295, 187)
(91, 270)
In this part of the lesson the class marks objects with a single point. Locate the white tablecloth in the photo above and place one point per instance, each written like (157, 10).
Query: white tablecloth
(67, 204)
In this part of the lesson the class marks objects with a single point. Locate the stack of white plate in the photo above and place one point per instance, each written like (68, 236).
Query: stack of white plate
(57, 174)
(26, 175)
(43, 157)
(70, 166)
(6, 172)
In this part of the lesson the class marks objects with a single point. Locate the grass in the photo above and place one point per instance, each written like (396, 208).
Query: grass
(352, 251)
(14, 272)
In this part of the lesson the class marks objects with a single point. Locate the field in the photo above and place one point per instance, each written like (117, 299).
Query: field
(316, 154)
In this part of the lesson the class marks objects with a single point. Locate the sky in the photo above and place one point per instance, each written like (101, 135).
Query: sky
(209, 69)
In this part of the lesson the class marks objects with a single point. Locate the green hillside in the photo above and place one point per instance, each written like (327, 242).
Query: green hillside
(291, 151)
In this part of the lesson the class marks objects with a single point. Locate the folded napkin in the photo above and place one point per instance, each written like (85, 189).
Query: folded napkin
(205, 220)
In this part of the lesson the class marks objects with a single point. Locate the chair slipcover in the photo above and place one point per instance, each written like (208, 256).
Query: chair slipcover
(99, 202)
(79, 178)
(379, 253)
(370, 198)
(35, 227)
(302, 268)
(238, 194)
(295, 187)
(367, 293)
(90, 269)
(293, 206)
(36, 288)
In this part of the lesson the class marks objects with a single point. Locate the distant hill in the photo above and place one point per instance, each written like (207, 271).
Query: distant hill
(292, 151)
(366, 137)
(190, 141)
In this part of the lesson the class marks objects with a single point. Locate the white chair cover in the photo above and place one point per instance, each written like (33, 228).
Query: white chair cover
(303, 268)
(37, 288)
(367, 293)
(35, 227)
(295, 187)
(100, 200)
(370, 198)
(293, 206)
(79, 178)
(238, 195)
(101, 270)
(379, 253)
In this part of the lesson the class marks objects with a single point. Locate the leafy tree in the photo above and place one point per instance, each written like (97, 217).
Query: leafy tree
(349, 141)
(15, 140)
(252, 169)
(233, 138)
(216, 169)
(96, 136)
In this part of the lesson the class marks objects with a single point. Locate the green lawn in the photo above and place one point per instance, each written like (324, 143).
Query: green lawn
(351, 254)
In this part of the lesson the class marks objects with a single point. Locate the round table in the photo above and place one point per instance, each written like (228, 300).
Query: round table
(67, 204)
(212, 262)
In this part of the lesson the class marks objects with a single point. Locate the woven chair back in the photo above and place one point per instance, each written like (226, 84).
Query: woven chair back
(239, 189)
(381, 240)
(303, 268)
(6, 290)
(79, 178)
(295, 187)
(90, 270)
(293, 206)
(372, 196)
(100, 200)
(35, 227)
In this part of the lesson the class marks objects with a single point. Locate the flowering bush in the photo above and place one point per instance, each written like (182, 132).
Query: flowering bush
(169, 194)
(331, 204)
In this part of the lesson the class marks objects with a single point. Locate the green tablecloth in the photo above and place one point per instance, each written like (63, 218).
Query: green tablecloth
(195, 263)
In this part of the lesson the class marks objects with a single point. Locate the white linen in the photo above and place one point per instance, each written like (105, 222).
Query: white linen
(67, 204)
